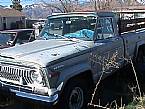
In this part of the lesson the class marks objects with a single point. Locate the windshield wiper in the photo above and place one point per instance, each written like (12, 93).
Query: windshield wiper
(56, 35)
(44, 37)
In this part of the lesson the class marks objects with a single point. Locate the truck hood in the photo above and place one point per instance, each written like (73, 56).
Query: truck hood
(44, 51)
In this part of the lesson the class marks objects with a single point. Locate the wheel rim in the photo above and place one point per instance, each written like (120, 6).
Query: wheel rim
(76, 99)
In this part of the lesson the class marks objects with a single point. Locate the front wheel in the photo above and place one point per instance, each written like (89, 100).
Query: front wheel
(75, 95)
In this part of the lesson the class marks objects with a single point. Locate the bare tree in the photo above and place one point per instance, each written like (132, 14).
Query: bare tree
(55, 6)
(63, 5)
(101, 4)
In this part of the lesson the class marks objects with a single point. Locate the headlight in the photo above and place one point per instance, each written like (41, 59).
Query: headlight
(36, 77)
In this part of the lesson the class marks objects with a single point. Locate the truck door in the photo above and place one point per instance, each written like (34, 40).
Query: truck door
(107, 54)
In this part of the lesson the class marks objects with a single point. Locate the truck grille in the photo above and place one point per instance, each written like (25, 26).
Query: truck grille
(16, 73)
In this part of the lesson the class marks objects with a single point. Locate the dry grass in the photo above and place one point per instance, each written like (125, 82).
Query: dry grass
(137, 103)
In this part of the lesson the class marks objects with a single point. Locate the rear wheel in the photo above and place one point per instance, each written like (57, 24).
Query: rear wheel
(140, 60)
(141, 55)
(140, 67)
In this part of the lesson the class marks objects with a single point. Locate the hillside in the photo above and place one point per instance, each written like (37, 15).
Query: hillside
(42, 10)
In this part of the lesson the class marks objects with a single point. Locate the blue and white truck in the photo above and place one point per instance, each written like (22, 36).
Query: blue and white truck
(72, 52)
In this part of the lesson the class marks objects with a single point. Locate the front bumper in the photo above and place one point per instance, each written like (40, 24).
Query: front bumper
(48, 99)
(28, 94)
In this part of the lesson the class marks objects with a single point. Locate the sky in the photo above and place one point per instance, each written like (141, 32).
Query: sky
(23, 2)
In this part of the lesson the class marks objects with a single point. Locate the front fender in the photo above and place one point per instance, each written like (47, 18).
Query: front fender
(73, 71)
(71, 67)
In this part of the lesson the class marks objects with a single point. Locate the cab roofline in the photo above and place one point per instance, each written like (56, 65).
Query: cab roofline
(86, 14)
(74, 13)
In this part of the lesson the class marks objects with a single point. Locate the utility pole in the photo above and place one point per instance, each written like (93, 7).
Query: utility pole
(16, 5)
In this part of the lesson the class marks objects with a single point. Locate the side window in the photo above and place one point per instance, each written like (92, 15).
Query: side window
(104, 28)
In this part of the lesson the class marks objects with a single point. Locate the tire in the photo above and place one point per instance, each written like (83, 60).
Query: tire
(74, 96)
(141, 55)
(140, 67)
(140, 61)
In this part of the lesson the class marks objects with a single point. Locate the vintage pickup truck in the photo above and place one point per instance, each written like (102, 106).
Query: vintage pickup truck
(73, 51)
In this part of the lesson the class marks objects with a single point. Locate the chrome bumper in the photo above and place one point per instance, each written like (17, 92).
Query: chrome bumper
(25, 93)
(48, 99)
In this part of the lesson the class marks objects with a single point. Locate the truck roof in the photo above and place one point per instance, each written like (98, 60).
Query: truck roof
(82, 14)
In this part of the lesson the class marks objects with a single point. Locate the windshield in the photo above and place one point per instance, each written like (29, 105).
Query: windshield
(78, 27)
(6, 37)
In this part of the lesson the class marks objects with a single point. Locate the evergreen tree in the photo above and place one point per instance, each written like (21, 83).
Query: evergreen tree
(16, 5)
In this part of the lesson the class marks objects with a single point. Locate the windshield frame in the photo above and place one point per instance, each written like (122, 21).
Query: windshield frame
(65, 18)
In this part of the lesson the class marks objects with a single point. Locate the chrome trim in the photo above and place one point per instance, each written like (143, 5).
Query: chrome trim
(16, 73)
(4, 84)
(28, 94)
(47, 99)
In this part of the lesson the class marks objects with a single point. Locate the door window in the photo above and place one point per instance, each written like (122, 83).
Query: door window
(104, 28)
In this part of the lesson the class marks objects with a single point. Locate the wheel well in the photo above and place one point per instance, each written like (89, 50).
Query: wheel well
(140, 48)
(136, 56)
(86, 77)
